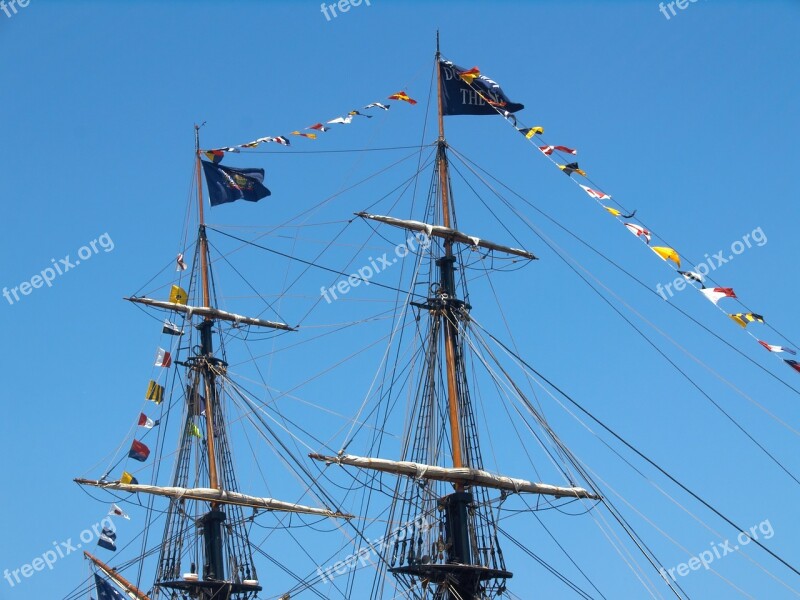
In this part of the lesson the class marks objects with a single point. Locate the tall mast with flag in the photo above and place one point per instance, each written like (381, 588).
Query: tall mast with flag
(459, 557)
(205, 552)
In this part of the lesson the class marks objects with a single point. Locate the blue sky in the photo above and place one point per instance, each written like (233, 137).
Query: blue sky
(691, 120)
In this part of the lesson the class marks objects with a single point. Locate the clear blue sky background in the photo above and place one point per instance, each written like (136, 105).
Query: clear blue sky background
(692, 120)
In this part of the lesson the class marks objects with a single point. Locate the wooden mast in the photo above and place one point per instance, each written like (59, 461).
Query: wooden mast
(450, 332)
(205, 328)
(130, 588)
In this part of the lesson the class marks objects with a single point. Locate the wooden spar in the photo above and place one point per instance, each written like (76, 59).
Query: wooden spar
(449, 325)
(215, 496)
(446, 233)
(130, 589)
(463, 476)
(213, 313)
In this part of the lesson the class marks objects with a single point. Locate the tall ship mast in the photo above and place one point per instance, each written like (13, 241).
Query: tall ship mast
(417, 489)
(459, 557)
(206, 552)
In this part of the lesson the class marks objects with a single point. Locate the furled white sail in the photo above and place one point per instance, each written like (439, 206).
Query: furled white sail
(213, 495)
(446, 233)
(465, 476)
(214, 313)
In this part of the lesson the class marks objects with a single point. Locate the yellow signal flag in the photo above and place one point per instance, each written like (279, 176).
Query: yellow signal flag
(195, 431)
(742, 319)
(128, 478)
(178, 295)
(667, 254)
(613, 211)
(155, 392)
(532, 131)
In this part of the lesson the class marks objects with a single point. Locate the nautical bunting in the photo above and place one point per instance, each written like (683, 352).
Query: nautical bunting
(792, 363)
(180, 264)
(127, 478)
(107, 539)
(155, 392)
(163, 358)
(692, 276)
(548, 150)
(638, 231)
(178, 295)
(531, 131)
(718, 293)
(742, 319)
(597, 195)
(571, 168)
(118, 512)
(342, 120)
(667, 254)
(772, 348)
(138, 451)
(146, 422)
(403, 97)
(217, 154)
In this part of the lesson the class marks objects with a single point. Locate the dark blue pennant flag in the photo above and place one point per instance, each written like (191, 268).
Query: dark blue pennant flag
(461, 98)
(226, 184)
(107, 539)
(105, 591)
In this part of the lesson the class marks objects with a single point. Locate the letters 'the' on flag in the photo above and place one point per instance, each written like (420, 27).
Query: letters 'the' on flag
(226, 184)
(468, 92)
